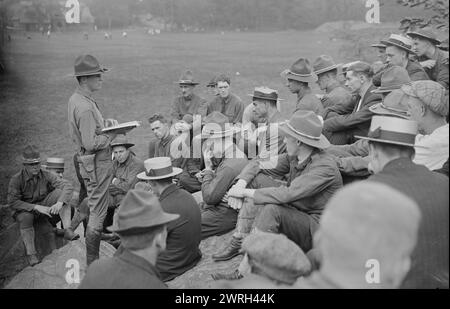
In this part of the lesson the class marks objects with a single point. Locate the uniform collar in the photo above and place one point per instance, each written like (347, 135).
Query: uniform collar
(28, 176)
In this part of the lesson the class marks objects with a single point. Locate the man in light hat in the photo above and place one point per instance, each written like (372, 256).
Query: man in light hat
(184, 234)
(425, 46)
(313, 177)
(391, 149)
(359, 82)
(94, 152)
(142, 227)
(188, 102)
(226, 102)
(398, 49)
(337, 100)
(364, 225)
(223, 162)
(270, 260)
(298, 78)
(36, 194)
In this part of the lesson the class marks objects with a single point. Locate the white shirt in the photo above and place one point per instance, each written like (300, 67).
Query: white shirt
(437, 151)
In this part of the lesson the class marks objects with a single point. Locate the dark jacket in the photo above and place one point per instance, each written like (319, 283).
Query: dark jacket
(430, 259)
(124, 270)
(355, 123)
(183, 235)
(439, 73)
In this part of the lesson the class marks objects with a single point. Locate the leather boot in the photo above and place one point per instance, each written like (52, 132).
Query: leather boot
(28, 240)
(232, 250)
(69, 233)
(236, 275)
(92, 245)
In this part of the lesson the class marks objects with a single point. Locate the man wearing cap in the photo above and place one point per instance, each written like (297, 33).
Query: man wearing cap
(398, 49)
(425, 46)
(298, 77)
(391, 149)
(94, 152)
(381, 51)
(188, 102)
(212, 87)
(387, 225)
(226, 102)
(270, 260)
(337, 100)
(223, 162)
(35, 194)
(142, 227)
(359, 81)
(184, 234)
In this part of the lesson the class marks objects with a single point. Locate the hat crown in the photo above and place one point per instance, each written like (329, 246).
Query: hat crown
(360, 66)
(301, 67)
(121, 140)
(55, 163)
(430, 93)
(324, 63)
(265, 93)
(426, 33)
(187, 78)
(306, 123)
(86, 64)
(31, 153)
(394, 124)
(393, 102)
(394, 77)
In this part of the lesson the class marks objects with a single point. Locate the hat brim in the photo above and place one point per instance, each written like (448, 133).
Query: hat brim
(399, 46)
(415, 34)
(384, 141)
(187, 83)
(31, 161)
(176, 171)
(380, 110)
(141, 229)
(221, 134)
(378, 45)
(287, 74)
(321, 143)
(327, 69)
(387, 89)
(257, 97)
(100, 71)
(126, 145)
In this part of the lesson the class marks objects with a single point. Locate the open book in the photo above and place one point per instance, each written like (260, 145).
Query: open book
(123, 127)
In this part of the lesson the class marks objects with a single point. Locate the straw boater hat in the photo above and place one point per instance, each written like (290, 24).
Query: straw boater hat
(187, 78)
(307, 127)
(86, 65)
(392, 130)
(399, 41)
(425, 33)
(138, 212)
(54, 164)
(300, 71)
(265, 93)
(159, 168)
(121, 140)
(393, 78)
(217, 126)
(392, 106)
(324, 64)
(31, 155)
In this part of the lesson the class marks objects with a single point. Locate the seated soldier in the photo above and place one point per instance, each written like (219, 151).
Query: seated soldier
(35, 194)
(184, 234)
(293, 209)
(223, 162)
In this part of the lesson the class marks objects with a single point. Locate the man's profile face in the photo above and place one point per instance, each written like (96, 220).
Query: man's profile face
(322, 81)
(353, 82)
(394, 56)
(159, 129)
(121, 153)
(420, 46)
(292, 146)
(33, 169)
(57, 172)
(223, 88)
(259, 108)
(381, 53)
(186, 90)
(94, 82)
(293, 85)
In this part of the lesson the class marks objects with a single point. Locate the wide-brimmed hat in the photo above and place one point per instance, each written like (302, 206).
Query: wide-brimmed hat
(86, 65)
(307, 127)
(394, 77)
(392, 130)
(139, 211)
(378, 45)
(159, 168)
(31, 155)
(324, 64)
(399, 41)
(276, 256)
(392, 106)
(212, 82)
(265, 93)
(430, 93)
(187, 78)
(300, 71)
(54, 164)
(425, 33)
(217, 125)
(121, 140)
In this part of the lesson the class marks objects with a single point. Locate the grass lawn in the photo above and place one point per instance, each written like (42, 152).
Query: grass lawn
(34, 94)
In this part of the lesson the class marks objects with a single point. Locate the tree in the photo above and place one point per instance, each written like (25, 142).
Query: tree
(438, 7)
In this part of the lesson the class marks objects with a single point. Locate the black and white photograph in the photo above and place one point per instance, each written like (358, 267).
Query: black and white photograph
(209, 147)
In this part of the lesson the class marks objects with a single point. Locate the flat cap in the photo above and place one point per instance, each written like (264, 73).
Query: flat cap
(431, 93)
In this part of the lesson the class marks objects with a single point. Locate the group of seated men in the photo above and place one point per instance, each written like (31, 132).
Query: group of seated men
(280, 185)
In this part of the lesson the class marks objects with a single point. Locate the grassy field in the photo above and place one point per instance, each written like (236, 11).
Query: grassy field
(34, 94)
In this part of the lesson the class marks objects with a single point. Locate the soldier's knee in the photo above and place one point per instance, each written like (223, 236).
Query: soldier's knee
(25, 219)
